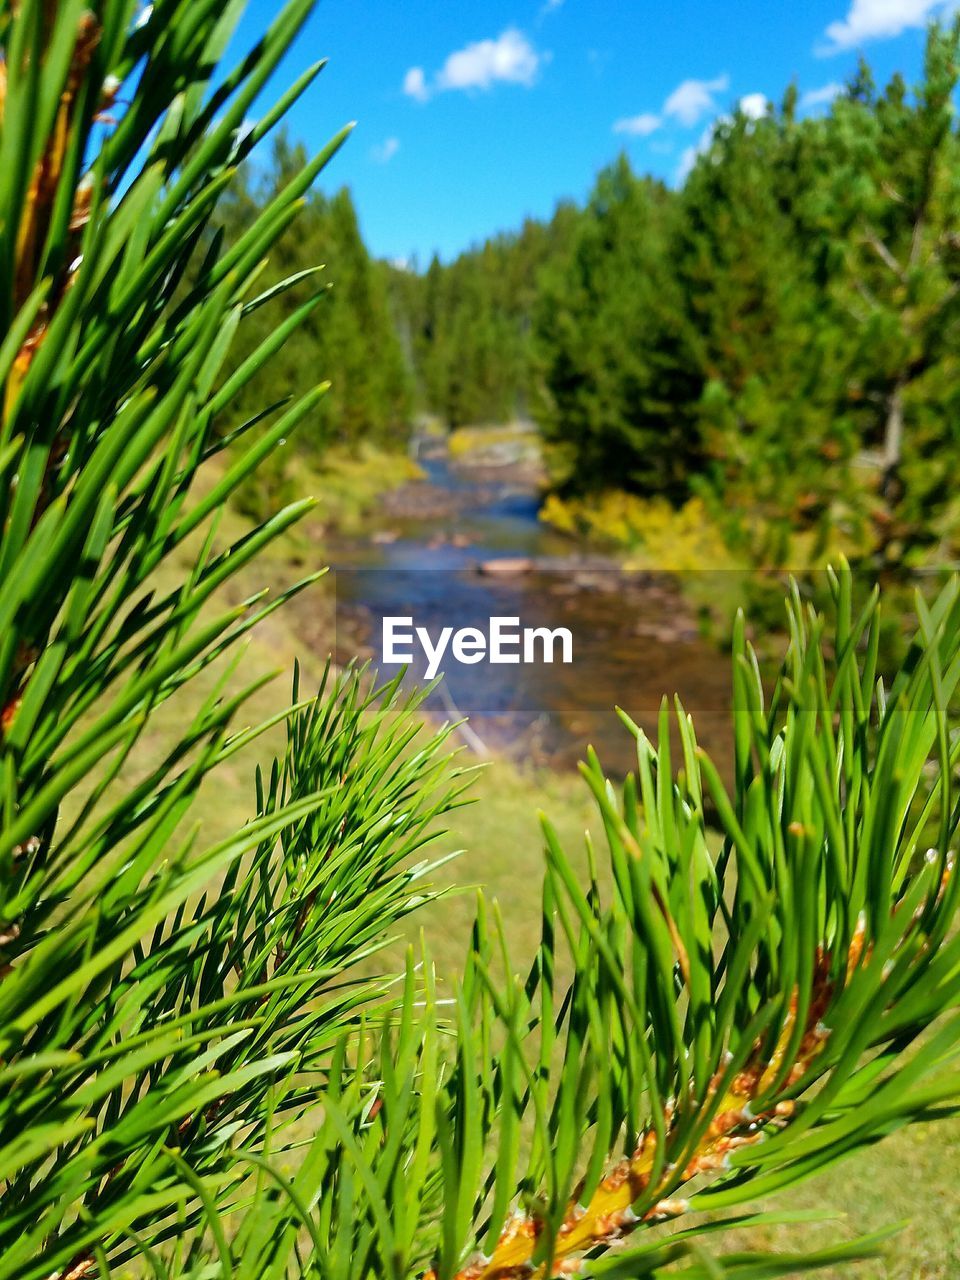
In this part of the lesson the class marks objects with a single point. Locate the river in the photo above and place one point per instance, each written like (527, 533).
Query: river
(464, 545)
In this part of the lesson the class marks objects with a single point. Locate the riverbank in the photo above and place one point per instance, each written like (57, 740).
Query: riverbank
(464, 544)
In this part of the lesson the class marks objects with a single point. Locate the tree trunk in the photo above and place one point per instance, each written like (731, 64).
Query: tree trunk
(891, 486)
(893, 446)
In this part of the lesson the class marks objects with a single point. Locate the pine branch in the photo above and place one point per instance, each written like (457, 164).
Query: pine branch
(750, 1078)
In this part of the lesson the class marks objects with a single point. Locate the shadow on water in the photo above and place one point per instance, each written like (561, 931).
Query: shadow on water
(465, 545)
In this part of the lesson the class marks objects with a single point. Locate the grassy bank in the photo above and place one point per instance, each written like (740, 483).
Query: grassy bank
(347, 482)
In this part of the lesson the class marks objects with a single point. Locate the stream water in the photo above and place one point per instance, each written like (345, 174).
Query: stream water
(464, 545)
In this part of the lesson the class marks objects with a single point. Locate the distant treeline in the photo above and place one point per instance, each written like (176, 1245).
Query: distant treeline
(779, 337)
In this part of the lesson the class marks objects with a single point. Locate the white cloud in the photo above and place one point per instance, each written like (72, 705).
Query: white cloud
(754, 105)
(640, 126)
(688, 103)
(549, 6)
(384, 152)
(693, 99)
(415, 84)
(817, 97)
(510, 58)
(877, 20)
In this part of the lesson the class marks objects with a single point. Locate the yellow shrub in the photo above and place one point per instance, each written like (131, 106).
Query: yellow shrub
(655, 534)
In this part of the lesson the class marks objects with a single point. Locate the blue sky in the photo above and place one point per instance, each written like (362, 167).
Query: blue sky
(472, 116)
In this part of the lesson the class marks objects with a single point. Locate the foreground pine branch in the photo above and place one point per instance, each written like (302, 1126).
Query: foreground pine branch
(737, 1021)
(740, 1120)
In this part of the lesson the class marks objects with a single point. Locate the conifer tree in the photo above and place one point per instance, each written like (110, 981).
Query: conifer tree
(771, 404)
(895, 195)
(612, 347)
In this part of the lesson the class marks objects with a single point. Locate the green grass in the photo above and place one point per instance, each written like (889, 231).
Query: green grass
(347, 481)
(351, 481)
(913, 1175)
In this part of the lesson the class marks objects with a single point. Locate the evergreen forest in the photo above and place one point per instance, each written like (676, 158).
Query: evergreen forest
(775, 340)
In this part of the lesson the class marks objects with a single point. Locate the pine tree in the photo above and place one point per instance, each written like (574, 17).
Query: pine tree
(896, 200)
(771, 400)
(612, 346)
